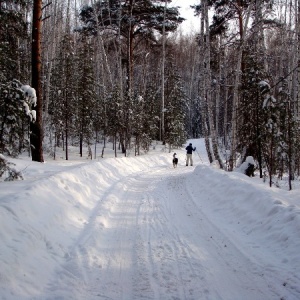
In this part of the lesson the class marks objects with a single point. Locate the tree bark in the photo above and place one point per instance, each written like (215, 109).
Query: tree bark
(36, 137)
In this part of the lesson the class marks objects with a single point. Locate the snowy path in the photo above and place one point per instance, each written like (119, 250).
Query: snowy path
(140, 243)
(133, 228)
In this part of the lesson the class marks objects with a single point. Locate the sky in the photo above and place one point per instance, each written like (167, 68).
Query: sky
(132, 228)
(192, 23)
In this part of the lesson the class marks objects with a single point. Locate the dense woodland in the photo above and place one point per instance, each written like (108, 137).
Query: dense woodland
(124, 71)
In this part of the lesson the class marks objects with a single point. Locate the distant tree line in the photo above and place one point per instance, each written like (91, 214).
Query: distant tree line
(125, 71)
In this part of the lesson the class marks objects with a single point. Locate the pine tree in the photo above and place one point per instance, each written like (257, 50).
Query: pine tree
(140, 118)
(288, 132)
(131, 22)
(251, 114)
(13, 39)
(176, 108)
(85, 92)
(13, 35)
(152, 110)
(114, 115)
(14, 107)
(270, 131)
(62, 104)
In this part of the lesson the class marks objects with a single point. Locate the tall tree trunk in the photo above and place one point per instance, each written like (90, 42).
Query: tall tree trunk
(36, 137)
(203, 88)
(290, 146)
(271, 160)
(258, 135)
(208, 81)
(218, 86)
(239, 68)
(163, 78)
(226, 98)
(67, 92)
(297, 3)
(261, 59)
(130, 52)
(49, 55)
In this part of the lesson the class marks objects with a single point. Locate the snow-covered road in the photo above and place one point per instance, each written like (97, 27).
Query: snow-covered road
(135, 228)
(149, 238)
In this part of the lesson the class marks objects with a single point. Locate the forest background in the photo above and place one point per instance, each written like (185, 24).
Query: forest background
(82, 72)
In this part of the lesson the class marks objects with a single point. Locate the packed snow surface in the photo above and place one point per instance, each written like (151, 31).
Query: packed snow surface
(132, 228)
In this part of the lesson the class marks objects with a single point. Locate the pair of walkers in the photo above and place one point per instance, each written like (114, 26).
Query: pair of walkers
(189, 154)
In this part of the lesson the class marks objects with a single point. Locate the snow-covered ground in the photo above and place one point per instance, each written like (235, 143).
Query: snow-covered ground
(136, 228)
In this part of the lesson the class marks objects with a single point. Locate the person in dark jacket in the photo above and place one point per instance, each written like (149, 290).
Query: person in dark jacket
(189, 154)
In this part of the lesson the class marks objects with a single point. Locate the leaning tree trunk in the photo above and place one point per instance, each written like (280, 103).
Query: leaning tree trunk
(36, 137)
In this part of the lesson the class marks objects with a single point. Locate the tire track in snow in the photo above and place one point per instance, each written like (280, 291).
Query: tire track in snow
(185, 270)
